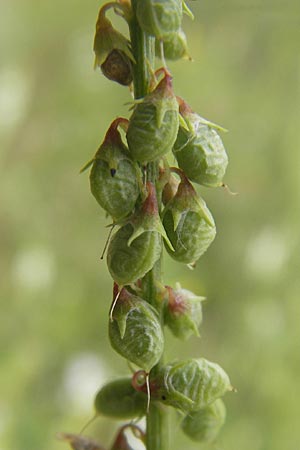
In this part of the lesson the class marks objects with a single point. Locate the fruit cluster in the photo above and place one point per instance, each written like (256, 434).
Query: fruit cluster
(152, 205)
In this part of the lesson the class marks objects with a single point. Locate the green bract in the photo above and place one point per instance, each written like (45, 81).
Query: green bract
(188, 223)
(199, 150)
(204, 425)
(134, 248)
(127, 263)
(154, 123)
(113, 178)
(135, 331)
(174, 46)
(183, 312)
(119, 400)
(190, 385)
(159, 17)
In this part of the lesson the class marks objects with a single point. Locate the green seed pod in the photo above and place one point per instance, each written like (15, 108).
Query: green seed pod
(188, 223)
(204, 425)
(183, 312)
(174, 46)
(113, 178)
(154, 123)
(159, 18)
(135, 331)
(199, 150)
(119, 400)
(135, 247)
(189, 385)
(112, 51)
(78, 442)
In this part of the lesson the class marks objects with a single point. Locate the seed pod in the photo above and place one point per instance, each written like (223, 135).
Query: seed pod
(204, 425)
(119, 400)
(174, 46)
(183, 312)
(199, 150)
(159, 18)
(112, 51)
(188, 223)
(154, 123)
(78, 442)
(118, 67)
(135, 332)
(113, 178)
(190, 385)
(136, 246)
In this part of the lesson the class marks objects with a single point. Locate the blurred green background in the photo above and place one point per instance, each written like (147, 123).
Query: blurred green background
(55, 291)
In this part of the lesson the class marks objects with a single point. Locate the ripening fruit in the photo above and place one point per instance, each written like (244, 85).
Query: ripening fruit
(204, 425)
(119, 400)
(154, 123)
(183, 312)
(159, 18)
(135, 332)
(199, 151)
(188, 223)
(136, 246)
(190, 385)
(174, 46)
(113, 177)
(112, 51)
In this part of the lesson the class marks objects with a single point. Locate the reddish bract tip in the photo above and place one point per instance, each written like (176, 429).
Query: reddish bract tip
(150, 206)
(184, 108)
(113, 135)
(176, 302)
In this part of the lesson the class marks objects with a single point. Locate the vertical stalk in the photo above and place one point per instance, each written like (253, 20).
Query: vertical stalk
(143, 49)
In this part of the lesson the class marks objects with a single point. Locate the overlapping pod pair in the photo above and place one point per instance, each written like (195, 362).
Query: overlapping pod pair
(114, 175)
(137, 245)
(199, 150)
(135, 331)
(188, 385)
(188, 223)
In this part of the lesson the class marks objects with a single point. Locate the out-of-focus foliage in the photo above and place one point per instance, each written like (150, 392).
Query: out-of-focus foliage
(55, 291)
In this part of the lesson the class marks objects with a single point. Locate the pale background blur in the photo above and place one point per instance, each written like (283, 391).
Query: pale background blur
(55, 292)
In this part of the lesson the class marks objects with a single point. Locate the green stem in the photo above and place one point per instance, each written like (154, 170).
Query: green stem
(143, 49)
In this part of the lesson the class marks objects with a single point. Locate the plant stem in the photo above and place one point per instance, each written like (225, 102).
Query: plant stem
(143, 49)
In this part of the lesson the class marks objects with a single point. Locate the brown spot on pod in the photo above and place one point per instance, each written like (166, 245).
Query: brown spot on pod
(154, 123)
(183, 312)
(199, 150)
(118, 67)
(188, 223)
(204, 425)
(135, 331)
(159, 18)
(114, 176)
